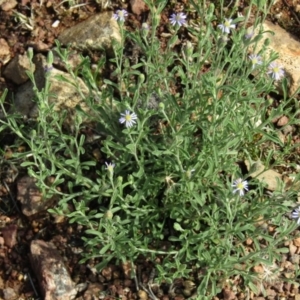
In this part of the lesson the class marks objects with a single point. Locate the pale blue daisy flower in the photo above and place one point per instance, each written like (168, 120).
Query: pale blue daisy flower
(255, 60)
(275, 71)
(296, 214)
(110, 167)
(120, 15)
(227, 26)
(240, 186)
(128, 118)
(48, 68)
(178, 19)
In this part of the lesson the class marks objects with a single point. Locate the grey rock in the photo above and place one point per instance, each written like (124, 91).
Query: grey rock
(31, 197)
(9, 294)
(271, 178)
(95, 33)
(9, 233)
(54, 279)
(65, 94)
(16, 69)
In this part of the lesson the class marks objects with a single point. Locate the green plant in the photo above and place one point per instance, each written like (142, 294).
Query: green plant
(164, 186)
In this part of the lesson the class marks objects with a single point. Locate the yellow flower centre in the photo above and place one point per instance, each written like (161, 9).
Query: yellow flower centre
(240, 186)
(128, 118)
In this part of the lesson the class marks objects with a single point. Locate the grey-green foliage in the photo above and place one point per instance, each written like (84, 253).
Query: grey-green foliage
(169, 196)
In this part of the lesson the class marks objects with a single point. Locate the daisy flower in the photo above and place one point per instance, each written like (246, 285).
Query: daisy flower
(128, 118)
(110, 167)
(275, 71)
(178, 19)
(48, 68)
(226, 26)
(120, 15)
(296, 214)
(240, 186)
(255, 60)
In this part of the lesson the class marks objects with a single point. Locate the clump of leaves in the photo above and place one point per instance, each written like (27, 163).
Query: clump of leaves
(173, 127)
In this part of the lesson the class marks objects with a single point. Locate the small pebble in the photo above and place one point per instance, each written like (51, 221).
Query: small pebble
(20, 277)
(55, 24)
(295, 259)
(142, 295)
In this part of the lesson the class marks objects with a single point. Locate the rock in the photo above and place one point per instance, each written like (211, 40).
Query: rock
(258, 269)
(281, 137)
(228, 294)
(54, 279)
(287, 46)
(66, 94)
(271, 293)
(8, 5)
(138, 6)
(288, 129)
(269, 177)
(292, 248)
(296, 242)
(16, 69)
(4, 52)
(40, 46)
(74, 59)
(95, 33)
(282, 121)
(9, 294)
(142, 295)
(295, 259)
(278, 286)
(1, 241)
(9, 233)
(31, 198)
(93, 290)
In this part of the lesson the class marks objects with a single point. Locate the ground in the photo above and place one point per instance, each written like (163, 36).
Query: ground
(32, 24)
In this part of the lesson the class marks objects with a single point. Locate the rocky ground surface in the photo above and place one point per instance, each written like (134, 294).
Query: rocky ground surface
(39, 255)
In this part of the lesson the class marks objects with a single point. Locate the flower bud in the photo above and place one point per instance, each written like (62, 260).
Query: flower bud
(30, 53)
(155, 18)
(145, 29)
(108, 214)
(50, 58)
(189, 49)
(120, 179)
(161, 105)
(141, 78)
(130, 179)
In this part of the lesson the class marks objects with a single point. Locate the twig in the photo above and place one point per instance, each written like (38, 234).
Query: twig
(33, 287)
(10, 195)
(295, 15)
